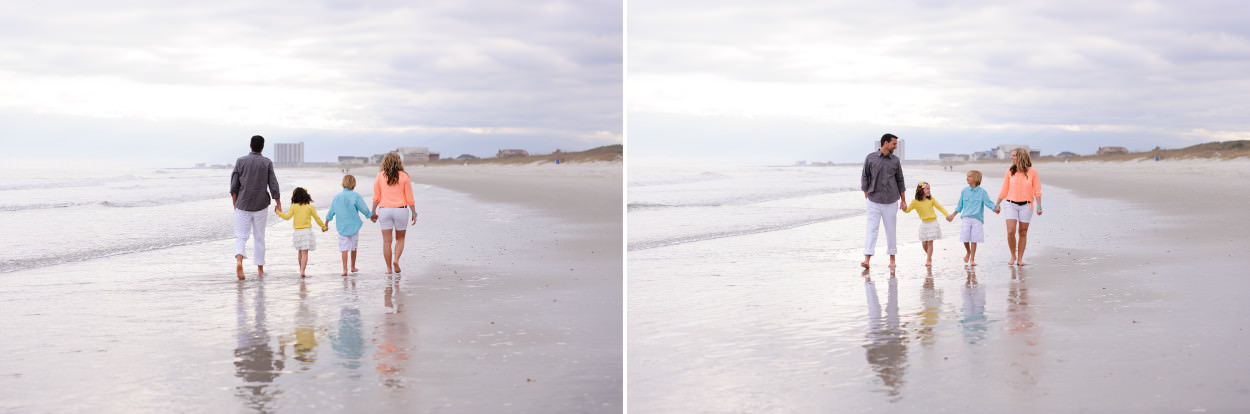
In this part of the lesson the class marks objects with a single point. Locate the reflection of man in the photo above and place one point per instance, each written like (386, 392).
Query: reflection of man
(252, 185)
(882, 183)
(254, 361)
(887, 343)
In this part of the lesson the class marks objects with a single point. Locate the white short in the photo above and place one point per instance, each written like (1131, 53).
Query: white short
(304, 239)
(930, 231)
(393, 218)
(972, 231)
(349, 243)
(1020, 213)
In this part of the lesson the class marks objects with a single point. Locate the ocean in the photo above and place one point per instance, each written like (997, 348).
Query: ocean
(62, 216)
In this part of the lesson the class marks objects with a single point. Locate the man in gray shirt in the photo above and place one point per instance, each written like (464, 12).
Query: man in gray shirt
(252, 185)
(882, 182)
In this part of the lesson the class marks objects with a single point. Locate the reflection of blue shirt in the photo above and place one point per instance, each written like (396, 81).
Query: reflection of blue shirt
(345, 206)
(970, 202)
(349, 345)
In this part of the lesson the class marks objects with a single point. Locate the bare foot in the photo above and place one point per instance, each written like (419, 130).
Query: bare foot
(864, 264)
(260, 271)
(1020, 262)
(1011, 262)
(928, 264)
(965, 258)
(344, 274)
(891, 265)
(354, 270)
(239, 270)
(396, 266)
(972, 263)
(301, 275)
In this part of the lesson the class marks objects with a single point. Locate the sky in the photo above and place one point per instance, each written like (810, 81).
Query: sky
(752, 82)
(159, 83)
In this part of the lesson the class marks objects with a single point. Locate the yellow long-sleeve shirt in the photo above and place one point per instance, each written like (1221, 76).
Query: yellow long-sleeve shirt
(925, 209)
(302, 214)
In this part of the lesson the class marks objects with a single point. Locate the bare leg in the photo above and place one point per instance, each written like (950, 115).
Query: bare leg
(1023, 239)
(303, 261)
(972, 255)
(354, 269)
(967, 252)
(1011, 241)
(260, 271)
(891, 261)
(386, 249)
(399, 248)
(238, 268)
(344, 262)
(865, 262)
(928, 250)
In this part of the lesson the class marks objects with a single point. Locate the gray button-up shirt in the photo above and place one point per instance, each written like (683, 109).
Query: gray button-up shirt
(252, 176)
(882, 178)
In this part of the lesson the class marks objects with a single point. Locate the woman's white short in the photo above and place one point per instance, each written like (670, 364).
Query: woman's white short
(1019, 213)
(393, 218)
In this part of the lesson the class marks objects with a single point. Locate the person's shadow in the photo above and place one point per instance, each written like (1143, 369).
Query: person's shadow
(254, 358)
(886, 344)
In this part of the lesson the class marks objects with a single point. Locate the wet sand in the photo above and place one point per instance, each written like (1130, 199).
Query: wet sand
(505, 305)
(1133, 302)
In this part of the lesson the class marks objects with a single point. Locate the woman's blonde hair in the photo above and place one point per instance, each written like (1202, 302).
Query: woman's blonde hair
(349, 182)
(392, 165)
(1022, 163)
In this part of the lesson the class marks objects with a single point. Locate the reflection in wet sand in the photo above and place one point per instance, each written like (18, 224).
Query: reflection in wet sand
(254, 359)
(930, 315)
(974, 321)
(305, 341)
(393, 341)
(1021, 327)
(886, 344)
(349, 343)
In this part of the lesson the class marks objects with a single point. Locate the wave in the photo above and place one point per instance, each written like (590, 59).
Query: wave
(692, 238)
(697, 178)
(741, 200)
(111, 204)
(7, 266)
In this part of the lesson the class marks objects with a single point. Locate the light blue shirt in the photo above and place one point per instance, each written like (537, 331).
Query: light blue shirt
(970, 202)
(345, 206)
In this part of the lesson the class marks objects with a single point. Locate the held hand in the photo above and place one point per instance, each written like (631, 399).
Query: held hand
(997, 209)
(374, 218)
(902, 205)
(277, 209)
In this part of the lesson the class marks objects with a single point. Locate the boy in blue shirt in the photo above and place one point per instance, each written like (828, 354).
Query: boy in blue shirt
(345, 205)
(971, 201)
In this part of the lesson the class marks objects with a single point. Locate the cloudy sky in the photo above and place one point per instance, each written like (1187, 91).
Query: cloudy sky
(820, 80)
(174, 83)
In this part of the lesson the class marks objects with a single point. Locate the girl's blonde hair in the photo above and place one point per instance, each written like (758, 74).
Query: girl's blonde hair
(349, 182)
(392, 165)
(976, 176)
(1022, 163)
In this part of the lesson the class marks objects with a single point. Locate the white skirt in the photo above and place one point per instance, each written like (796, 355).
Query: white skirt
(304, 239)
(930, 231)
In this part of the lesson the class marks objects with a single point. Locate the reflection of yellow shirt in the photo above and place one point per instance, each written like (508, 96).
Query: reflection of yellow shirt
(925, 209)
(302, 214)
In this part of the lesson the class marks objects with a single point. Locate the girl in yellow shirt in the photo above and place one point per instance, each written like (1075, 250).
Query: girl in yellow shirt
(929, 229)
(303, 212)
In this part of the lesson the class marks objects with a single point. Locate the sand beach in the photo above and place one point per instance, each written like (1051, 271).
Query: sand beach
(510, 301)
(1133, 302)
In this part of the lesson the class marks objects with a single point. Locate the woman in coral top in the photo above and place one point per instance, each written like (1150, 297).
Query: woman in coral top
(1023, 191)
(393, 207)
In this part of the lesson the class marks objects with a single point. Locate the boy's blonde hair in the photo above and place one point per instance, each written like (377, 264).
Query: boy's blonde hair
(349, 182)
(976, 176)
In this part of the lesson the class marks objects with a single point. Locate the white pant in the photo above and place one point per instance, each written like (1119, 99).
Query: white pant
(876, 214)
(250, 222)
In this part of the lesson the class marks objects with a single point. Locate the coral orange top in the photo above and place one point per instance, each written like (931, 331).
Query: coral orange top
(392, 196)
(1021, 187)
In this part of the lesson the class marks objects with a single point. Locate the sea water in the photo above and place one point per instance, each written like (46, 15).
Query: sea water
(60, 216)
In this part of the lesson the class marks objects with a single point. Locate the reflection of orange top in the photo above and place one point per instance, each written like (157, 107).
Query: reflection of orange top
(1020, 187)
(392, 196)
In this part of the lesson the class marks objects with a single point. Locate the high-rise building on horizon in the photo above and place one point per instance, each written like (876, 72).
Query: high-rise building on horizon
(288, 154)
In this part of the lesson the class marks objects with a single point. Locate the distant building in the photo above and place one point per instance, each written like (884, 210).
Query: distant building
(505, 153)
(466, 157)
(953, 157)
(1112, 150)
(434, 156)
(1066, 154)
(414, 154)
(898, 152)
(348, 159)
(377, 158)
(288, 154)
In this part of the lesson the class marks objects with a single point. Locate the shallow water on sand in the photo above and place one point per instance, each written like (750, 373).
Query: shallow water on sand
(786, 321)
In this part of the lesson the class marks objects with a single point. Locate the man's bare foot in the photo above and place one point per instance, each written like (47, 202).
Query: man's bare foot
(260, 271)
(396, 266)
(239, 270)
